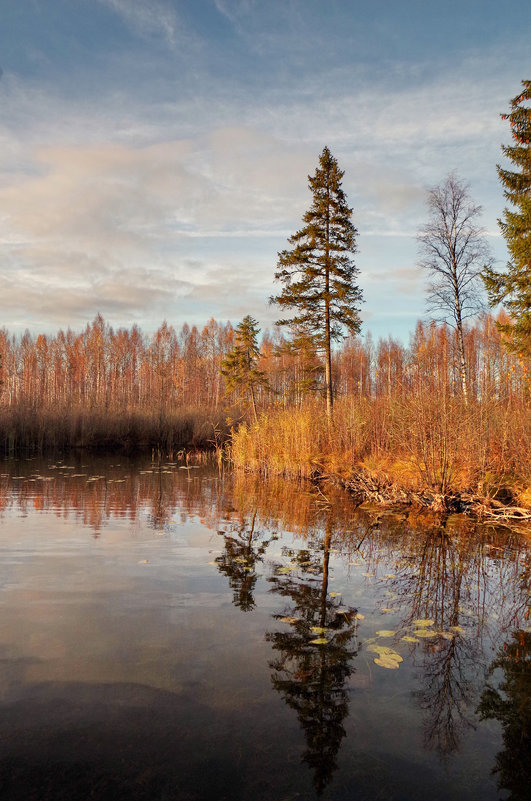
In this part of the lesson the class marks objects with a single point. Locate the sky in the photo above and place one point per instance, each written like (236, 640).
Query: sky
(154, 154)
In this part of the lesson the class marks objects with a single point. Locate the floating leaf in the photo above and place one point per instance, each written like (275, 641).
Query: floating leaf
(407, 638)
(458, 629)
(319, 641)
(368, 575)
(335, 594)
(385, 633)
(359, 616)
(386, 609)
(424, 633)
(289, 619)
(448, 635)
(240, 559)
(386, 662)
(318, 629)
(383, 650)
(423, 622)
(285, 570)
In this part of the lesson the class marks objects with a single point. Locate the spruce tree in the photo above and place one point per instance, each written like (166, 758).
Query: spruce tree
(239, 367)
(318, 271)
(513, 287)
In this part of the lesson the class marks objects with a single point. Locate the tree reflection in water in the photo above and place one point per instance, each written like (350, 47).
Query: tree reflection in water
(472, 582)
(243, 551)
(451, 573)
(312, 677)
(510, 704)
(450, 663)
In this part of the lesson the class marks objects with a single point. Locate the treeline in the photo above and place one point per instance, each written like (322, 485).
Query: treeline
(125, 370)
(121, 389)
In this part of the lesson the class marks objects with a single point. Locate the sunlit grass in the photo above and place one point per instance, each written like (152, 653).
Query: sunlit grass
(435, 443)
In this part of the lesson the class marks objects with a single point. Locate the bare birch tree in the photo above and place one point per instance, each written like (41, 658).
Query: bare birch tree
(454, 251)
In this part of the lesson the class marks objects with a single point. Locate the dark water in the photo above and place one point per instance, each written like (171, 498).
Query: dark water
(185, 634)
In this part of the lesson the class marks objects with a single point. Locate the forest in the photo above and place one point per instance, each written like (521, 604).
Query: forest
(399, 411)
(445, 419)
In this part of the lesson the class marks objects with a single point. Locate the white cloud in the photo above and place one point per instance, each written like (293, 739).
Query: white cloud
(147, 17)
(113, 228)
(106, 202)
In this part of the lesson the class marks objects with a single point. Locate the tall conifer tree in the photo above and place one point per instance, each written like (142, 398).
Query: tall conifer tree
(318, 271)
(513, 287)
(239, 367)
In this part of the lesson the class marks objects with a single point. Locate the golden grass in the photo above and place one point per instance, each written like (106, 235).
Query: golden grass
(435, 443)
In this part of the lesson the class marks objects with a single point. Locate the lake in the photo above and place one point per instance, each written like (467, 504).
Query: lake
(172, 632)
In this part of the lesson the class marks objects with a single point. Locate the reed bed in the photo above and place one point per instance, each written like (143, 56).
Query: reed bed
(438, 444)
(32, 430)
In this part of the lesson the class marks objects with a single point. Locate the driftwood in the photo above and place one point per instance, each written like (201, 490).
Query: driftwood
(501, 512)
(364, 486)
(382, 491)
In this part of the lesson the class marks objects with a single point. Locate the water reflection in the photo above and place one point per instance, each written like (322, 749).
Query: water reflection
(509, 702)
(243, 551)
(453, 588)
(314, 651)
(337, 586)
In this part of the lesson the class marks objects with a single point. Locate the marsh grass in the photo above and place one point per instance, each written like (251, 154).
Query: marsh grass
(31, 430)
(436, 443)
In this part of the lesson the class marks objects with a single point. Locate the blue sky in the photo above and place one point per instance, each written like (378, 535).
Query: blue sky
(154, 153)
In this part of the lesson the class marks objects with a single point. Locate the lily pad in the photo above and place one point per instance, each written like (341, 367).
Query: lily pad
(448, 635)
(407, 638)
(289, 619)
(423, 622)
(383, 650)
(386, 609)
(458, 629)
(386, 662)
(318, 629)
(319, 641)
(385, 633)
(335, 594)
(359, 616)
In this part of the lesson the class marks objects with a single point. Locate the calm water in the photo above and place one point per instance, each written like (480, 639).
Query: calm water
(170, 633)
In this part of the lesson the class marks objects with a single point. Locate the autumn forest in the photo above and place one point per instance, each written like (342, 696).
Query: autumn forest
(445, 419)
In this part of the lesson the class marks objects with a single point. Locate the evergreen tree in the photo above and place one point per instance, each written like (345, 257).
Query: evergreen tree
(513, 287)
(239, 367)
(318, 272)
